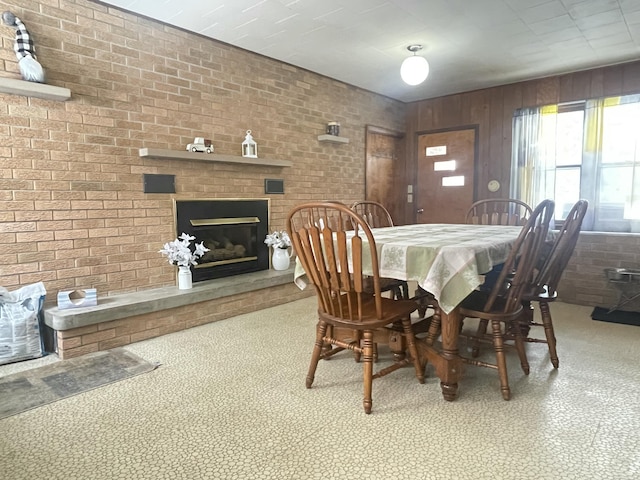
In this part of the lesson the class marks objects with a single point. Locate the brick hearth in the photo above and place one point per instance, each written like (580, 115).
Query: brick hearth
(127, 318)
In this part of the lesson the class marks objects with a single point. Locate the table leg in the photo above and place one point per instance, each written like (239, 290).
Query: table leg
(451, 368)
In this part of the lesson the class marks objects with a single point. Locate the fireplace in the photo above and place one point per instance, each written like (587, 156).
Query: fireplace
(232, 229)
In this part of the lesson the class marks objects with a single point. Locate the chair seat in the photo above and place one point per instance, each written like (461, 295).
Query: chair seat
(392, 310)
(473, 306)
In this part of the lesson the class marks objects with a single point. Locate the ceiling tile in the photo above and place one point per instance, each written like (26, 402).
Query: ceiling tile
(542, 12)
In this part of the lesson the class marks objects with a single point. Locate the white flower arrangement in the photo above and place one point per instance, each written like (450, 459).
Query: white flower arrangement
(179, 252)
(278, 239)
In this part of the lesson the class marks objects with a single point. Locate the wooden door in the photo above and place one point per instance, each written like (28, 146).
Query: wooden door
(445, 177)
(383, 170)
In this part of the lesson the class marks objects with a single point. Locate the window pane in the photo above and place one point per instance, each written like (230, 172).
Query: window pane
(620, 133)
(567, 191)
(569, 138)
(615, 192)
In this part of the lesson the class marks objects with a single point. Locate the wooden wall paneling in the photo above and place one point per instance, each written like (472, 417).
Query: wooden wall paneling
(477, 104)
(425, 116)
(597, 83)
(438, 117)
(529, 93)
(547, 91)
(581, 87)
(452, 115)
(491, 166)
(630, 78)
(480, 114)
(612, 80)
(565, 88)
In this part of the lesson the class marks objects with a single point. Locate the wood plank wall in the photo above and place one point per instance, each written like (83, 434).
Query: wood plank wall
(492, 110)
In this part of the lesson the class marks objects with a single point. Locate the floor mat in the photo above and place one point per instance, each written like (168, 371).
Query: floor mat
(33, 388)
(617, 316)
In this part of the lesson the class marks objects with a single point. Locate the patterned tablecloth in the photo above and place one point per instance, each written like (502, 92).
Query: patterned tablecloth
(445, 259)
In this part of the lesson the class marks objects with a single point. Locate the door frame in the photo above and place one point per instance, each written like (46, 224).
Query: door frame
(476, 149)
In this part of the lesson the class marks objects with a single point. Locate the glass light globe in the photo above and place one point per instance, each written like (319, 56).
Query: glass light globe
(414, 70)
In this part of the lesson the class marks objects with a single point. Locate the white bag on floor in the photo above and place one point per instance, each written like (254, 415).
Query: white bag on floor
(20, 335)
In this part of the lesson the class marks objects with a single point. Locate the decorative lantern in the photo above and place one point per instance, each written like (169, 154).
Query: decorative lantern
(249, 146)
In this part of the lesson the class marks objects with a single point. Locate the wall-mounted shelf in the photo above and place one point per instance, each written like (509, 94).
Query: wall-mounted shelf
(33, 89)
(210, 157)
(332, 139)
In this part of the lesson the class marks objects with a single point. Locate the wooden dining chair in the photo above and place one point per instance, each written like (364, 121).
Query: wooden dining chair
(377, 216)
(543, 290)
(333, 260)
(501, 307)
(501, 211)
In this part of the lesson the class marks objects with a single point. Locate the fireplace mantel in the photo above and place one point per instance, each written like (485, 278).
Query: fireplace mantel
(159, 153)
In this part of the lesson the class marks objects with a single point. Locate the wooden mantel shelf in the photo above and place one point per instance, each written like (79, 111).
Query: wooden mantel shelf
(210, 157)
(33, 89)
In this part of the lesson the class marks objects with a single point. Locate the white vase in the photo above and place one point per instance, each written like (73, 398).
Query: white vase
(280, 259)
(184, 278)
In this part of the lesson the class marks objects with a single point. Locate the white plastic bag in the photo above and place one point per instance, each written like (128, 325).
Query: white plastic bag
(20, 335)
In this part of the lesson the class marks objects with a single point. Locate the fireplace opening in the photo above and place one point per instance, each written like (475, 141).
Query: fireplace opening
(233, 231)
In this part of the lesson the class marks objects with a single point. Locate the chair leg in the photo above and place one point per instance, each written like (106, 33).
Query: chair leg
(357, 337)
(367, 357)
(321, 330)
(422, 307)
(520, 348)
(434, 327)
(526, 318)
(549, 333)
(482, 330)
(413, 349)
(501, 359)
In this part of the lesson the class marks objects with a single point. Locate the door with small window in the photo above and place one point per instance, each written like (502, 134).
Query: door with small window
(445, 176)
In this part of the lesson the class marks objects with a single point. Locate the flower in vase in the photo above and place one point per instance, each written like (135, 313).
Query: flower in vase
(179, 251)
(278, 239)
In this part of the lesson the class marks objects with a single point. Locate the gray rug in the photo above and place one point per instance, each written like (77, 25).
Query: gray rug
(23, 391)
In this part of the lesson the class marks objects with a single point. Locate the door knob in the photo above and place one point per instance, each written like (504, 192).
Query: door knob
(420, 210)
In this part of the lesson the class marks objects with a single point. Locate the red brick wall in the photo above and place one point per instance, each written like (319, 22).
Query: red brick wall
(72, 209)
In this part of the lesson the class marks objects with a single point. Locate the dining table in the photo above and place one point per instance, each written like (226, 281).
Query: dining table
(448, 261)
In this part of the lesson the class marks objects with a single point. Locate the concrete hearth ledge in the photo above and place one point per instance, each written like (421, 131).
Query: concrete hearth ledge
(129, 304)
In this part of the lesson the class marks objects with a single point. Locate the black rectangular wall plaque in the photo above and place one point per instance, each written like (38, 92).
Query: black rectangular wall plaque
(154, 183)
(273, 185)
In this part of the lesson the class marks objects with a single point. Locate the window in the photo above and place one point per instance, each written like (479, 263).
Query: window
(588, 150)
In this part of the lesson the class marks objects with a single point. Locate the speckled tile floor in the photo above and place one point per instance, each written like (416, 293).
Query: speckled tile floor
(229, 402)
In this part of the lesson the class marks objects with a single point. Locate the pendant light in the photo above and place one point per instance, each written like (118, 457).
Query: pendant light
(414, 69)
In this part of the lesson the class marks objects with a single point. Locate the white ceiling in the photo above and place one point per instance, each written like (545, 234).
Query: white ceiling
(469, 44)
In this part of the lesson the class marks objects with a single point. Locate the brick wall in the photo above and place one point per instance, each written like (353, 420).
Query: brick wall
(72, 210)
(584, 281)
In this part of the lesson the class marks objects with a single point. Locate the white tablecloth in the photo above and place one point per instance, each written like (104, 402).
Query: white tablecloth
(444, 259)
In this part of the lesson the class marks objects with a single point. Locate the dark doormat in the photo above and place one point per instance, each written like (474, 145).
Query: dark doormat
(617, 316)
(23, 391)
